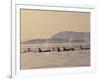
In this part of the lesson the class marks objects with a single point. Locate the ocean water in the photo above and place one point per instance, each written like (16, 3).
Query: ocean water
(35, 60)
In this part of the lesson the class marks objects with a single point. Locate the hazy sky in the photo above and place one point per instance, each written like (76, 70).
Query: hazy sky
(44, 24)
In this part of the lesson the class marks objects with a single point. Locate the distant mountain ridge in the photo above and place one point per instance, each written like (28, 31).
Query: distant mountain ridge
(63, 37)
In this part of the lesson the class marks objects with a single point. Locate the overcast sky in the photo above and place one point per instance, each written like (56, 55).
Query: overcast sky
(44, 24)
